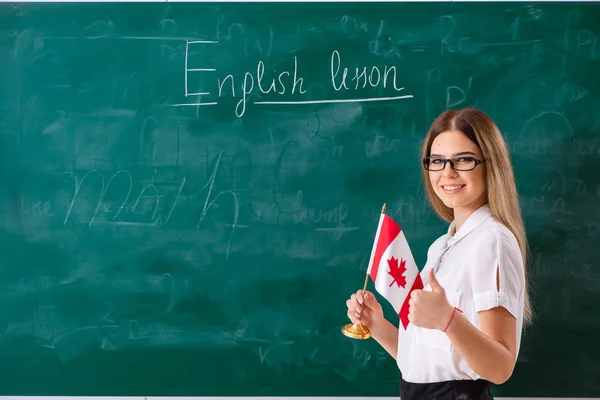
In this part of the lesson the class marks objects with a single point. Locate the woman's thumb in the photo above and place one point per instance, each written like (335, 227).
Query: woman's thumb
(435, 285)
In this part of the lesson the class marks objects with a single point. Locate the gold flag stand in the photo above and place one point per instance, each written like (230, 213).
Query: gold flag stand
(358, 331)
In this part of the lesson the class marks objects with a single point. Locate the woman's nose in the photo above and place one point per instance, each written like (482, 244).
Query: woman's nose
(449, 171)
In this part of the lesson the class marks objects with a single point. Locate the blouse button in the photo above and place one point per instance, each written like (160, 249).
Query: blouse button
(502, 299)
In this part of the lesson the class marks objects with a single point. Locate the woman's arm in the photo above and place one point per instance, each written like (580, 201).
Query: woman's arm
(363, 308)
(386, 335)
(491, 351)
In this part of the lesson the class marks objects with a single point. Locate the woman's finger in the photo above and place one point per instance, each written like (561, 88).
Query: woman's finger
(351, 316)
(349, 304)
(359, 296)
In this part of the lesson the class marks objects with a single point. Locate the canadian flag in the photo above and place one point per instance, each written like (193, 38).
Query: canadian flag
(392, 267)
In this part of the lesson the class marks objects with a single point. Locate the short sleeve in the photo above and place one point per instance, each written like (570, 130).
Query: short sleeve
(497, 254)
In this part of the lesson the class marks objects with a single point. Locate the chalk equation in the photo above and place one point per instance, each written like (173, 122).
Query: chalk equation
(288, 82)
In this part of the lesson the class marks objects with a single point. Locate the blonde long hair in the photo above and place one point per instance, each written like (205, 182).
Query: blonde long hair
(501, 188)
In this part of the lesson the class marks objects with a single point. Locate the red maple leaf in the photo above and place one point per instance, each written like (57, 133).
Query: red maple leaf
(397, 271)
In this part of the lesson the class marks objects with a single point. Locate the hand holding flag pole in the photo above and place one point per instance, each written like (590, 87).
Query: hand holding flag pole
(359, 331)
(393, 271)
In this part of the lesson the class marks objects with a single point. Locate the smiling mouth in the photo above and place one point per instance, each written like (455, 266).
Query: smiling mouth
(452, 188)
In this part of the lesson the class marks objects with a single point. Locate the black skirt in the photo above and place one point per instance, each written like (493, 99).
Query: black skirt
(448, 390)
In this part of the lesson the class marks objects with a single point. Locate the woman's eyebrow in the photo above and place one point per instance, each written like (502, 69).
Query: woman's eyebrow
(462, 153)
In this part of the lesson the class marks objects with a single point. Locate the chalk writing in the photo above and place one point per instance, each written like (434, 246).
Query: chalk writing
(562, 185)
(561, 267)
(448, 24)
(352, 26)
(411, 208)
(373, 76)
(39, 285)
(35, 208)
(158, 333)
(154, 214)
(541, 205)
(289, 81)
(586, 146)
(335, 216)
(381, 145)
(582, 42)
(384, 45)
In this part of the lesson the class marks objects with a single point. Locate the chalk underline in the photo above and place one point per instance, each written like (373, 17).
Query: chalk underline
(285, 102)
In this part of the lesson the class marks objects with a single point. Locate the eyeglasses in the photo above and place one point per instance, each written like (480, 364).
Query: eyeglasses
(457, 164)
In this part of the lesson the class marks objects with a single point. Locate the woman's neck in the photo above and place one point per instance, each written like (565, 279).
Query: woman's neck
(462, 214)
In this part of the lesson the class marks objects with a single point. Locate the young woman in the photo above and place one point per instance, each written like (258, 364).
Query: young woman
(465, 326)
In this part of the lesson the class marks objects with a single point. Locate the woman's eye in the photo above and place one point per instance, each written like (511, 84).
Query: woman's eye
(436, 161)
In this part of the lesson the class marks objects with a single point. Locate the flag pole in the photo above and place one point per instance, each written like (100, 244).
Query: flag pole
(358, 331)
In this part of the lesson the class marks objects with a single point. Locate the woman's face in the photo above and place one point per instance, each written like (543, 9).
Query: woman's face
(463, 191)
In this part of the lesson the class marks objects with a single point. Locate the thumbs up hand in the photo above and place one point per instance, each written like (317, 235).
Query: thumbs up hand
(430, 309)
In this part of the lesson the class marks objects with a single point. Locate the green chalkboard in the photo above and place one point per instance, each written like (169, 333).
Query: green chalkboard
(189, 192)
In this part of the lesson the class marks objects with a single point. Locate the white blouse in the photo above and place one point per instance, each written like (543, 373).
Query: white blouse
(465, 264)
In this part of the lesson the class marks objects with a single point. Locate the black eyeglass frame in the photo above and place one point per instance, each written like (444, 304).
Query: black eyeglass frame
(451, 161)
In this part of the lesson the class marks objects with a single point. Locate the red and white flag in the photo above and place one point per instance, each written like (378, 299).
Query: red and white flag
(392, 267)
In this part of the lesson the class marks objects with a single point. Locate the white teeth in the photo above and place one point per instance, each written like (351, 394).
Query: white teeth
(452, 187)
